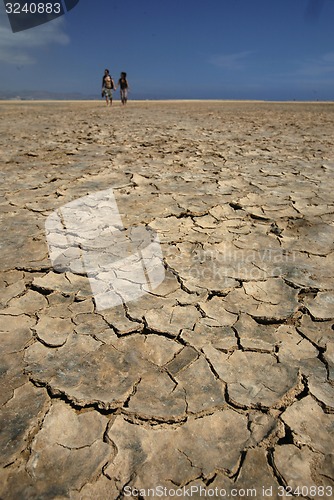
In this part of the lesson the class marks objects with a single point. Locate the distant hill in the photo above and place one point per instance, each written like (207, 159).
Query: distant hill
(36, 95)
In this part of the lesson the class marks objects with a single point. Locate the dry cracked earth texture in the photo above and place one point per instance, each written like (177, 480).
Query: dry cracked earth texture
(219, 380)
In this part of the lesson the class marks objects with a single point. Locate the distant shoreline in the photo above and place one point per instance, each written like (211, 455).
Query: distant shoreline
(154, 101)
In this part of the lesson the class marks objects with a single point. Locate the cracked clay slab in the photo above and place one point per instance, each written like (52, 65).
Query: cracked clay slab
(222, 376)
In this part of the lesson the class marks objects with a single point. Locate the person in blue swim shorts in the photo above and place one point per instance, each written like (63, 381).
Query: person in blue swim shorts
(107, 87)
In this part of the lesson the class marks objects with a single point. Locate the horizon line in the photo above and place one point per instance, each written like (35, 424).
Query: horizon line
(23, 100)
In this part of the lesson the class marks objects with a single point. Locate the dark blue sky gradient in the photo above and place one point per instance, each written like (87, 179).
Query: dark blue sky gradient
(218, 49)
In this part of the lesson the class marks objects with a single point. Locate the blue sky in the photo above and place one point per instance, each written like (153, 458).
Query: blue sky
(228, 49)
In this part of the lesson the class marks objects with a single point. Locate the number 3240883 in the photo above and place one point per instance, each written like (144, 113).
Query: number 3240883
(305, 491)
(33, 8)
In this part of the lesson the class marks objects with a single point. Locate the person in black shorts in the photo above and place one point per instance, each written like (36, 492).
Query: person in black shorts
(124, 87)
(107, 87)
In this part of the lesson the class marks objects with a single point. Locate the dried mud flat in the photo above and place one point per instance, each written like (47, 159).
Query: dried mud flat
(222, 377)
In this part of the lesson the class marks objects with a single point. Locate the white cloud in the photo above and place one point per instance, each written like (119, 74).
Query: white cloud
(230, 62)
(18, 48)
(322, 66)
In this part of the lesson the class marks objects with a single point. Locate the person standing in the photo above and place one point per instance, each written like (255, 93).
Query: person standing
(124, 87)
(107, 87)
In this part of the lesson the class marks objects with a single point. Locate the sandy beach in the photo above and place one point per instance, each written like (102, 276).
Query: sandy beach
(216, 381)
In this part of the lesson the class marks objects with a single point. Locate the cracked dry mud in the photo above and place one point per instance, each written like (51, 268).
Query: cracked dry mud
(222, 377)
